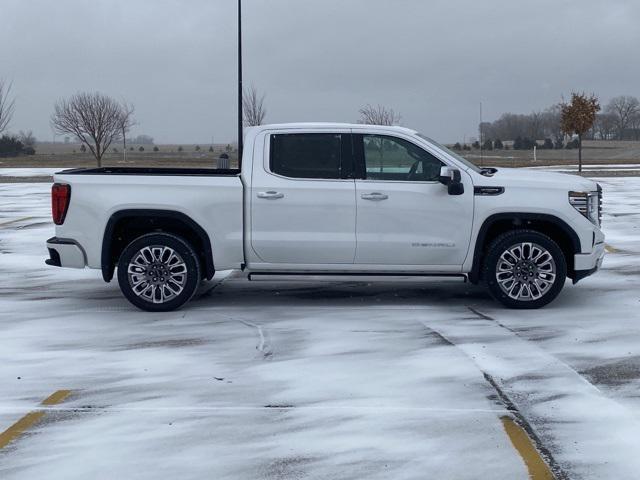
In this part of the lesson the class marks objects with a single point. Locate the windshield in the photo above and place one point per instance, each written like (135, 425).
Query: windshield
(458, 157)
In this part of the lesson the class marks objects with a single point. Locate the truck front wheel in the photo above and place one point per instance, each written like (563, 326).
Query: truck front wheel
(524, 269)
(158, 272)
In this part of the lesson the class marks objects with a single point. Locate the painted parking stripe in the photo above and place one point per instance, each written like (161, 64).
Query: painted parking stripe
(57, 397)
(26, 422)
(538, 468)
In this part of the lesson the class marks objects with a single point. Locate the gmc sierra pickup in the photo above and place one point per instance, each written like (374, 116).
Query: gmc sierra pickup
(320, 199)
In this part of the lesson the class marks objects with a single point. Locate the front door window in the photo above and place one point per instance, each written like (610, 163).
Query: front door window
(390, 158)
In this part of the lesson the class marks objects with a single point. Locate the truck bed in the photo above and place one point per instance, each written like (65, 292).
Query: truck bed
(211, 198)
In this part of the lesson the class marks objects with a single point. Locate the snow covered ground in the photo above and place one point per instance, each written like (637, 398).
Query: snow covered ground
(276, 380)
(29, 172)
(592, 169)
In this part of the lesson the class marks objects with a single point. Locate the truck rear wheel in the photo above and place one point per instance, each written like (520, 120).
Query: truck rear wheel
(524, 269)
(158, 272)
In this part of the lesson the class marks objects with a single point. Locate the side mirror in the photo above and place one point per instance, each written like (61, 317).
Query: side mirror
(452, 178)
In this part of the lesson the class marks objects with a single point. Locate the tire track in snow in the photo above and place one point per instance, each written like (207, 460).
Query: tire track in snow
(264, 337)
(264, 345)
(590, 435)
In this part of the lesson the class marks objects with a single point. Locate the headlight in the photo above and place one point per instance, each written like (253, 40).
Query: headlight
(588, 204)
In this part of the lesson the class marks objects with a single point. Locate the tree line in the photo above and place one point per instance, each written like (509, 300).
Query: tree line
(618, 120)
(97, 121)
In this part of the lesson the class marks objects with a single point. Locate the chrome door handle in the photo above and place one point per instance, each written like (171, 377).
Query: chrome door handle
(270, 195)
(374, 196)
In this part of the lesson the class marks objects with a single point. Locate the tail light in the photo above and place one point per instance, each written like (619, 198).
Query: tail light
(60, 196)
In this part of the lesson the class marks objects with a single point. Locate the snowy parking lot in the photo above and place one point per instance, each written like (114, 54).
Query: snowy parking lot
(277, 380)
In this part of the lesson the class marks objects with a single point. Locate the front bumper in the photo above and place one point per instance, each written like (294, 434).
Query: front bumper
(586, 264)
(65, 253)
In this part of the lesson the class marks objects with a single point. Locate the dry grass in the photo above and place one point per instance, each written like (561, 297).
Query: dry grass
(69, 156)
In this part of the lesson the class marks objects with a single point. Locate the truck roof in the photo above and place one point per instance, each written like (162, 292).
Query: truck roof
(330, 125)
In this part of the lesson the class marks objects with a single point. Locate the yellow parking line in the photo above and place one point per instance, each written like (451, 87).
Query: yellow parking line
(18, 428)
(57, 397)
(538, 469)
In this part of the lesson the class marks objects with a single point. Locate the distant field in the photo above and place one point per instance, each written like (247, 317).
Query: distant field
(62, 155)
(593, 152)
(69, 155)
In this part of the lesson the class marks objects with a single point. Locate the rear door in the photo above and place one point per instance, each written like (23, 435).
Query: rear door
(405, 216)
(303, 208)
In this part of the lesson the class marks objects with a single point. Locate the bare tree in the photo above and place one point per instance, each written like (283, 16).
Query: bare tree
(634, 123)
(253, 107)
(605, 125)
(578, 117)
(6, 105)
(126, 122)
(535, 126)
(624, 108)
(96, 120)
(27, 138)
(552, 124)
(378, 115)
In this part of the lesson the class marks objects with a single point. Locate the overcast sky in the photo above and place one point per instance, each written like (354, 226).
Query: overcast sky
(317, 60)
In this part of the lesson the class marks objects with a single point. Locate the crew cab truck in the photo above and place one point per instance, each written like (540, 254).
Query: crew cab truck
(338, 199)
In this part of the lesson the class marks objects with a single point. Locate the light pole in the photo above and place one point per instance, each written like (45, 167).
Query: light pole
(481, 140)
(240, 119)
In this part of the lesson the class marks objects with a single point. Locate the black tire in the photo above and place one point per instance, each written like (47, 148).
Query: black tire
(521, 272)
(177, 277)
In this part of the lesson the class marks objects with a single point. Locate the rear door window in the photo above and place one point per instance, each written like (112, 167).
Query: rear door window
(308, 155)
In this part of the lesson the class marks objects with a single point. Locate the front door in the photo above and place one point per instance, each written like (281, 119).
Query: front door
(303, 208)
(405, 216)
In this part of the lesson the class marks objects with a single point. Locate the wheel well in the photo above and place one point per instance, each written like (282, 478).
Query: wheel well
(548, 225)
(125, 226)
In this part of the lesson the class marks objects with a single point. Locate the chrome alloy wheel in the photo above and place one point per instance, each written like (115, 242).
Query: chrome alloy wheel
(526, 271)
(157, 274)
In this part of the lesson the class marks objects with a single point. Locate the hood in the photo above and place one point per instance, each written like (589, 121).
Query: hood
(532, 178)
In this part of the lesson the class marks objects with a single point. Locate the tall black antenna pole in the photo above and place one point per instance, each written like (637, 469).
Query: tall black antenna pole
(240, 119)
(481, 140)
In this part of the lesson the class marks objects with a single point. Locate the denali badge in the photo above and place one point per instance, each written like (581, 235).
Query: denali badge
(441, 245)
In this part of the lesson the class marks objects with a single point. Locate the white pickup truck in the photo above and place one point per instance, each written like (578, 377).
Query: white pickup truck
(329, 199)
